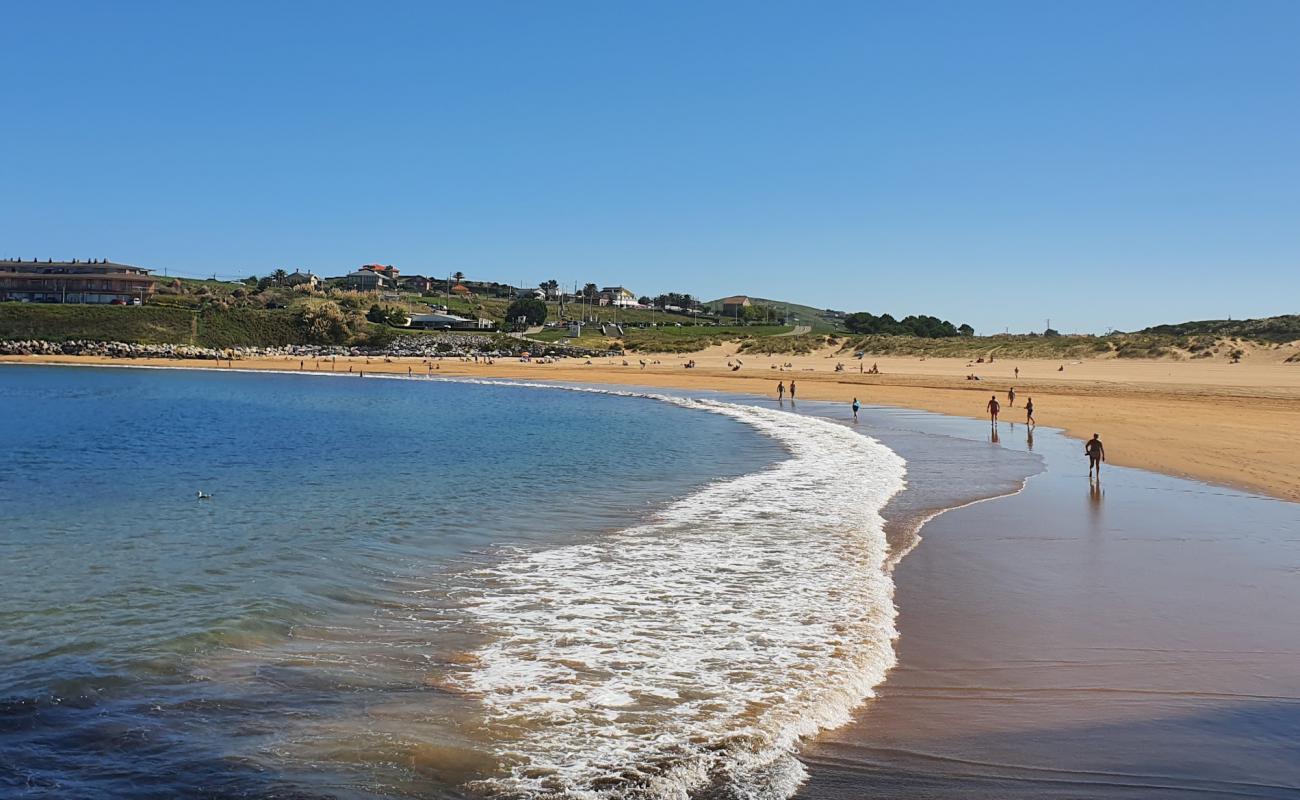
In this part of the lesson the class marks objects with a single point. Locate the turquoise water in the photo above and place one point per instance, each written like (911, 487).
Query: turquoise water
(288, 637)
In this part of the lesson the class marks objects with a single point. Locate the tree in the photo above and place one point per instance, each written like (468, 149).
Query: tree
(923, 326)
(590, 291)
(965, 330)
(532, 310)
(645, 301)
(551, 287)
(458, 276)
(325, 323)
(279, 277)
(388, 315)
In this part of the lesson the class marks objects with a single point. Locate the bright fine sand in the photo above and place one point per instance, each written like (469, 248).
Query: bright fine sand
(1231, 424)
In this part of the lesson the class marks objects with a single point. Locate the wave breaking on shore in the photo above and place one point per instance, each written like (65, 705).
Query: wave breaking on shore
(691, 654)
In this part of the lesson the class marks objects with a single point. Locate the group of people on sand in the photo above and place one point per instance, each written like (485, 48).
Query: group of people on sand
(994, 407)
(1093, 448)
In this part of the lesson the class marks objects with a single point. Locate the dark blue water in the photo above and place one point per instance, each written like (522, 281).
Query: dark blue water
(278, 639)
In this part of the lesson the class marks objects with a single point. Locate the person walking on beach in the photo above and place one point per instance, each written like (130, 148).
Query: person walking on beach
(1017, 373)
(1011, 397)
(780, 391)
(792, 391)
(856, 406)
(994, 407)
(1096, 454)
(1029, 412)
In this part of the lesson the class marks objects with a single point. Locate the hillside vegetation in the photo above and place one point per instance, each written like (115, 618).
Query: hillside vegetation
(819, 319)
(217, 328)
(1285, 328)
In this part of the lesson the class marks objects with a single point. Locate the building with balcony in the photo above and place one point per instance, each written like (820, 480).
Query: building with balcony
(94, 281)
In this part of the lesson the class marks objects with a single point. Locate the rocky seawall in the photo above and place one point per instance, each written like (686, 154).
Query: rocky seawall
(448, 345)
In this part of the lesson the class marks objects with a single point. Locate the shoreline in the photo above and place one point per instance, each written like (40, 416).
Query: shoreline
(1050, 636)
(1235, 429)
(981, 607)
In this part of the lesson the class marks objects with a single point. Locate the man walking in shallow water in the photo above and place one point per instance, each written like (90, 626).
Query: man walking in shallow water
(1096, 454)
(994, 407)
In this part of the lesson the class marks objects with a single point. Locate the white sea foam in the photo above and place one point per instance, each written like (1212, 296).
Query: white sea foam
(692, 653)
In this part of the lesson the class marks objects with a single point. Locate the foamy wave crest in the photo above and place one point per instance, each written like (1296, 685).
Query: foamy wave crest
(691, 654)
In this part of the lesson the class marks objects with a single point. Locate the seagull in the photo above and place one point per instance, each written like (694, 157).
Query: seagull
(202, 496)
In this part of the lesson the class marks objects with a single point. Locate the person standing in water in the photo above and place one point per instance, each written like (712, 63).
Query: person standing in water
(791, 391)
(994, 407)
(1029, 412)
(856, 406)
(780, 391)
(1096, 454)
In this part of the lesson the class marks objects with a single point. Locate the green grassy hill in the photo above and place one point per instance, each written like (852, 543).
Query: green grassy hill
(218, 328)
(821, 320)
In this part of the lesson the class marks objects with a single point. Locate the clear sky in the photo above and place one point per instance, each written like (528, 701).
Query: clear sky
(1101, 164)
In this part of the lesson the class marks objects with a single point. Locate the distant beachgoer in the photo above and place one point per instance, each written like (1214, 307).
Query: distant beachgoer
(1029, 412)
(1017, 372)
(408, 372)
(780, 391)
(300, 363)
(1061, 368)
(856, 406)
(1011, 397)
(792, 390)
(994, 407)
(1096, 454)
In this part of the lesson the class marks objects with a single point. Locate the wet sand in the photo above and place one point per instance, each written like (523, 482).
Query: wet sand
(1137, 640)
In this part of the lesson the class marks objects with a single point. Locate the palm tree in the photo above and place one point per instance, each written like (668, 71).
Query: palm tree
(279, 276)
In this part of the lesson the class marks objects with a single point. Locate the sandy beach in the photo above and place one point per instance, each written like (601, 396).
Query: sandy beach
(1132, 639)
(1234, 425)
(1066, 639)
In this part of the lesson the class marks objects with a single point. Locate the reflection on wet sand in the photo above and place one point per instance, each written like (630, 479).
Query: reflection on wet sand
(1141, 645)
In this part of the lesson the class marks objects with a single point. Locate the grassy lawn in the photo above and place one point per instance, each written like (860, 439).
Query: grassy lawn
(60, 323)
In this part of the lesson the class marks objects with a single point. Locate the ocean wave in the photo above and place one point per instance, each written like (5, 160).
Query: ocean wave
(691, 654)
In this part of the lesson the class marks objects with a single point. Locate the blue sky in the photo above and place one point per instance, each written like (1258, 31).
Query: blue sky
(1101, 164)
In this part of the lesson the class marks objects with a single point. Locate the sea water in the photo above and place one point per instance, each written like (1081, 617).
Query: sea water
(421, 588)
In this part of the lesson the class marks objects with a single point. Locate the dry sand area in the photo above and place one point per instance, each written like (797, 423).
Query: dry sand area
(1231, 424)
